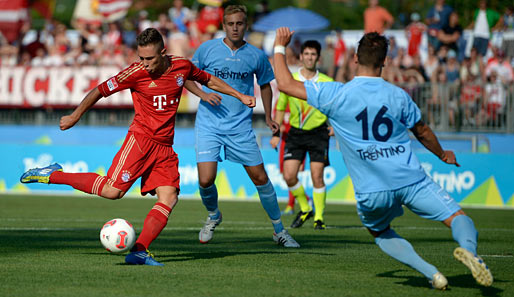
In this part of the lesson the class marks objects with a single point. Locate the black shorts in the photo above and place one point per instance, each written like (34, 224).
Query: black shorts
(314, 141)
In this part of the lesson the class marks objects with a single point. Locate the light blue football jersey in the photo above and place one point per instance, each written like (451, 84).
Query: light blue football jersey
(237, 68)
(371, 118)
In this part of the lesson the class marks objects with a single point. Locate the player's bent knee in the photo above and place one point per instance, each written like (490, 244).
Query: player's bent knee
(112, 193)
(448, 221)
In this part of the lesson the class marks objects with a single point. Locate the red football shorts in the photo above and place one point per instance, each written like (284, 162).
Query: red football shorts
(139, 156)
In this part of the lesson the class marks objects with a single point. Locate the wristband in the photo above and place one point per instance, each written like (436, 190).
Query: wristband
(277, 134)
(279, 49)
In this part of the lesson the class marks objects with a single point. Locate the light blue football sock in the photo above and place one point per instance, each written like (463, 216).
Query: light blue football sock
(269, 202)
(210, 200)
(465, 233)
(401, 250)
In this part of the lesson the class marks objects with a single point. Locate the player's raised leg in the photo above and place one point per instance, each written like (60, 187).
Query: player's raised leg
(209, 194)
(155, 222)
(269, 202)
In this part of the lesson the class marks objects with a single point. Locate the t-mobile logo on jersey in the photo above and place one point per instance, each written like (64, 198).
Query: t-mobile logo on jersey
(159, 101)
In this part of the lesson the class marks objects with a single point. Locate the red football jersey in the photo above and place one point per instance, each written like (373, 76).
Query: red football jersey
(155, 98)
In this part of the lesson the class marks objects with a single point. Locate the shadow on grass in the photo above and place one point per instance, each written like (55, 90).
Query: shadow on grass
(467, 281)
(459, 281)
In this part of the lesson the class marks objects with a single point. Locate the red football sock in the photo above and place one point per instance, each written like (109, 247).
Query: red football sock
(155, 221)
(90, 183)
(290, 203)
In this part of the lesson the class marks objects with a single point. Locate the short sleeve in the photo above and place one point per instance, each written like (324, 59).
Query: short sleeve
(410, 112)
(264, 72)
(121, 81)
(283, 99)
(322, 95)
(198, 75)
(197, 58)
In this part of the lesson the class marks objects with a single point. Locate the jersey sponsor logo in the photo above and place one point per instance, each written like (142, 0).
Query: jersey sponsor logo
(225, 73)
(152, 85)
(373, 154)
(112, 84)
(159, 101)
(125, 176)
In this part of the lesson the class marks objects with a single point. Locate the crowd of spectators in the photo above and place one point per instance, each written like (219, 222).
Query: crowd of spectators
(460, 82)
(455, 74)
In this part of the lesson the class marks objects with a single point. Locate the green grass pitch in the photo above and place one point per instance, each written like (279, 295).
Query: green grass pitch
(49, 246)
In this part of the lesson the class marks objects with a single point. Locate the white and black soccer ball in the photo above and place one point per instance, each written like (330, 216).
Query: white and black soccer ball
(117, 236)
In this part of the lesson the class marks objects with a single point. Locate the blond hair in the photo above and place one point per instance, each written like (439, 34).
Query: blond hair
(232, 9)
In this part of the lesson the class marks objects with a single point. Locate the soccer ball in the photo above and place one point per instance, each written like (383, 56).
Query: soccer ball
(117, 236)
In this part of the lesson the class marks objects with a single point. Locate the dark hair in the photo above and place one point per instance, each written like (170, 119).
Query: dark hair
(311, 44)
(372, 50)
(232, 9)
(150, 36)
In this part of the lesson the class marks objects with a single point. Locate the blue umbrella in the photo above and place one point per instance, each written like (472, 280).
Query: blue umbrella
(297, 19)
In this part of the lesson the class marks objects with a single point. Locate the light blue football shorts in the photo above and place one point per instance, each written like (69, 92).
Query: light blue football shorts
(425, 198)
(240, 148)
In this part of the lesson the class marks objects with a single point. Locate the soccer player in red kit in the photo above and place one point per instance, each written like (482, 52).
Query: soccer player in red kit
(156, 84)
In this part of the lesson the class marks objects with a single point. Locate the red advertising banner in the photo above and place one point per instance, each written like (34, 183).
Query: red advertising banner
(65, 87)
(59, 87)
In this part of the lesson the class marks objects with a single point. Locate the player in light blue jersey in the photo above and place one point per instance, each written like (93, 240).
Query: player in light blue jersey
(371, 119)
(222, 122)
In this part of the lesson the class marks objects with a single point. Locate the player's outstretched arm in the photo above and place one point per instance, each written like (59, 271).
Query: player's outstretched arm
(220, 86)
(426, 136)
(91, 98)
(213, 99)
(286, 82)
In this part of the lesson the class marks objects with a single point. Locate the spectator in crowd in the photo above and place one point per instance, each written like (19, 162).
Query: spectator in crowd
(113, 36)
(349, 68)
(391, 71)
(339, 51)
(470, 97)
(143, 22)
(209, 19)
(450, 34)
(431, 63)
(417, 65)
(392, 52)
(506, 24)
(442, 54)
(402, 60)
(180, 15)
(452, 67)
(494, 101)
(414, 33)
(377, 18)
(35, 45)
(501, 67)
(440, 94)
(437, 17)
(472, 65)
(484, 19)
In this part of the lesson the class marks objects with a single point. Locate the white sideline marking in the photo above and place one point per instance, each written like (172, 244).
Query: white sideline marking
(496, 256)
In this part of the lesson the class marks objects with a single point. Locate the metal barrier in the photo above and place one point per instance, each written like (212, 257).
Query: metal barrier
(446, 107)
(468, 107)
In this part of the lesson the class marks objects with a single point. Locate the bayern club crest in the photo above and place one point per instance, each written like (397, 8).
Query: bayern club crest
(180, 80)
(125, 176)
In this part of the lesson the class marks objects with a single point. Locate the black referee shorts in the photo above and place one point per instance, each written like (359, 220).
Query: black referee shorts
(314, 141)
